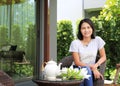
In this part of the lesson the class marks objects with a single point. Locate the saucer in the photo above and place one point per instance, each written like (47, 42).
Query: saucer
(51, 78)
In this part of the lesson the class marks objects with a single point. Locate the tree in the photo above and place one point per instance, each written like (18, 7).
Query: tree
(107, 25)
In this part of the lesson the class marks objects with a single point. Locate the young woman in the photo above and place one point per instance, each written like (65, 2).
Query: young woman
(84, 50)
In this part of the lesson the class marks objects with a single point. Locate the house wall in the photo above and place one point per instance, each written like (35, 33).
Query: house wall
(91, 4)
(77, 9)
(94, 8)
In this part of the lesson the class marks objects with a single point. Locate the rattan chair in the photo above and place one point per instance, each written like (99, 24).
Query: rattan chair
(5, 79)
(116, 74)
(67, 61)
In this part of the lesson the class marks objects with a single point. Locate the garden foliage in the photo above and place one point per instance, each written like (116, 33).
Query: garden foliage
(108, 27)
(64, 38)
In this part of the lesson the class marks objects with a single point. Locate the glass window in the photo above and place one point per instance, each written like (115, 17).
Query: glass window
(17, 38)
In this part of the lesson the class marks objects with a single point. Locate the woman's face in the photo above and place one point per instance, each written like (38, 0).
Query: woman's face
(86, 30)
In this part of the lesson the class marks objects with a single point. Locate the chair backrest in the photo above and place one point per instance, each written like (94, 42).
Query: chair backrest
(5, 79)
(66, 61)
(102, 66)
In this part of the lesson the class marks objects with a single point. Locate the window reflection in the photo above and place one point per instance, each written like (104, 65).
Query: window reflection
(17, 38)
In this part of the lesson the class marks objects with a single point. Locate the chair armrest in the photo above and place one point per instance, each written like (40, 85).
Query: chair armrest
(102, 68)
(100, 82)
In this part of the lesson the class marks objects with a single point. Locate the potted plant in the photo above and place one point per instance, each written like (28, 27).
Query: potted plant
(74, 74)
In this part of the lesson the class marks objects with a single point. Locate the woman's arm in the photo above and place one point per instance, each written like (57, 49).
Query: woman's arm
(102, 58)
(76, 59)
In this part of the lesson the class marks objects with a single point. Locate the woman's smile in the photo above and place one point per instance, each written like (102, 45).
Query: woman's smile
(86, 30)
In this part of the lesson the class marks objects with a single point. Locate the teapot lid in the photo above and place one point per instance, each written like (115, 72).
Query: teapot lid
(51, 62)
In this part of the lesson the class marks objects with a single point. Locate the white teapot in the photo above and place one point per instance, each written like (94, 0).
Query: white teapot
(51, 70)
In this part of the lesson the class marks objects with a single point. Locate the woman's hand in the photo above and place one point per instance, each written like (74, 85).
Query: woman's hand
(93, 67)
(97, 74)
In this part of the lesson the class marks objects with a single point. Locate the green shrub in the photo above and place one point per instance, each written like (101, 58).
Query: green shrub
(108, 27)
(64, 38)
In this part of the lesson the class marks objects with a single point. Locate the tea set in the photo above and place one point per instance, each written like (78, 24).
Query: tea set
(52, 70)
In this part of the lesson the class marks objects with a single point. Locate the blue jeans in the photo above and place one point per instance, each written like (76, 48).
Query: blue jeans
(87, 82)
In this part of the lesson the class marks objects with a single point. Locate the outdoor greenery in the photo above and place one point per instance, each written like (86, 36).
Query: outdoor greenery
(64, 38)
(23, 70)
(3, 35)
(4, 2)
(107, 26)
(17, 27)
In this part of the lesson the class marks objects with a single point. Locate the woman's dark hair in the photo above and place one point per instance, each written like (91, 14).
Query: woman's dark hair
(79, 35)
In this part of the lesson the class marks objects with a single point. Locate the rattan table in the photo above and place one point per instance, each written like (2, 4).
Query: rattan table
(58, 83)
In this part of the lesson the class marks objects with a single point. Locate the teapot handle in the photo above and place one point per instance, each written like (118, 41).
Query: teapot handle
(43, 65)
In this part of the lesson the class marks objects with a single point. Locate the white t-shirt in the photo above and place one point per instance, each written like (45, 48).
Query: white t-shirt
(87, 53)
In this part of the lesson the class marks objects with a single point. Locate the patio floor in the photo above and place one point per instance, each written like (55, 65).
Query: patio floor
(110, 83)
